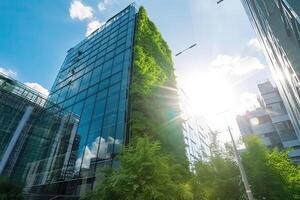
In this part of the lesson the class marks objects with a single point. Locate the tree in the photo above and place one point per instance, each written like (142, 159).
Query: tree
(280, 162)
(144, 173)
(271, 174)
(218, 178)
(9, 190)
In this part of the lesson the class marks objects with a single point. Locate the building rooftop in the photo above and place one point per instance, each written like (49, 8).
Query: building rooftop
(9, 84)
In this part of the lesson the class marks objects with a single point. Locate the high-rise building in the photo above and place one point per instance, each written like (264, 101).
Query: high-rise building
(93, 84)
(277, 25)
(119, 83)
(271, 122)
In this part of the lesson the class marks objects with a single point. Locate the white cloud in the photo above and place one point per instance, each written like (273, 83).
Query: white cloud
(38, 88)
(8, 72)
(92, 26)
(247, 102)
(79, 11)
(254, 43)
(103, 4)
(91, 151)
(236, 65)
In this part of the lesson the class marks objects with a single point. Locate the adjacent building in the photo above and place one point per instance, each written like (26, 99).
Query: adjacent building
(197, 133)
(271, 122)
(277, 25)
(20, 107)
(27, 128)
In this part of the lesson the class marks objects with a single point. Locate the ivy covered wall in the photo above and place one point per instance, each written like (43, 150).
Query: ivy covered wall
(154, 102)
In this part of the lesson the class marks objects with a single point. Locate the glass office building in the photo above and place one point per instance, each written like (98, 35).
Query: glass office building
(93, 85)
(277, 25)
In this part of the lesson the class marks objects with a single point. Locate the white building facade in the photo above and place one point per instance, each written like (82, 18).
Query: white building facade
(271, 122)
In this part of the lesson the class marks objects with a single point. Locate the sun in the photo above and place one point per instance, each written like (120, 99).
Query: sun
(209, 93)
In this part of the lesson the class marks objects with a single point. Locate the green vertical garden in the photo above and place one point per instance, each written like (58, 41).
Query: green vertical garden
(154, 103)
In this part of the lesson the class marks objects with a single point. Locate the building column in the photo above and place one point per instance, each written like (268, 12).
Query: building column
(16, 135)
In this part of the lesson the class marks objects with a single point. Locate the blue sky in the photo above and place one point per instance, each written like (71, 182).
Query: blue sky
(36, 34)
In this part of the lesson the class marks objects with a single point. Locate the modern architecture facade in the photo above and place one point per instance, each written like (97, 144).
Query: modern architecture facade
(259, 122)
(27, 128)
(271, 122)
(277, 25)
(93, 85)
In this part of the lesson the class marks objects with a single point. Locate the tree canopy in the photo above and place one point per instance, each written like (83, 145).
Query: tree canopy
(271, 173)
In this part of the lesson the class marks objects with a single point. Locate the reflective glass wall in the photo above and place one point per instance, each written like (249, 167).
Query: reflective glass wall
(20, 107)
(277, 25)
(92, 85)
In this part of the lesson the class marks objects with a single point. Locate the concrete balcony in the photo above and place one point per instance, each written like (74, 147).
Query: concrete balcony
(263, 128)
(295, 154)
(291, 143)
(279, 118)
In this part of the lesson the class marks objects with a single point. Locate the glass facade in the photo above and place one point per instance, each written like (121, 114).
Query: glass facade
(277, 25)
(20, 107)
(90, 97)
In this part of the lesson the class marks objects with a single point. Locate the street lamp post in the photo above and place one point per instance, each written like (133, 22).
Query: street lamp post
(239, 162)
(193, 45)
(241, 167)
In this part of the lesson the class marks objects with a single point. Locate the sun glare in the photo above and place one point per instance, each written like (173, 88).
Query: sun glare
(209, 94)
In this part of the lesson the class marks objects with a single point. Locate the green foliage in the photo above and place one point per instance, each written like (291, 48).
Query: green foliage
(9, 190)
(218, 178)
(270, 172)
(153, 100)
(279, 162)
(145, 173)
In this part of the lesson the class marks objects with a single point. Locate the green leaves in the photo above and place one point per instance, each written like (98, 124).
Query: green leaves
(145, 173)
(152, 110)
(217, 179)
(270, 173)
(279, 162)
(266, 181)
